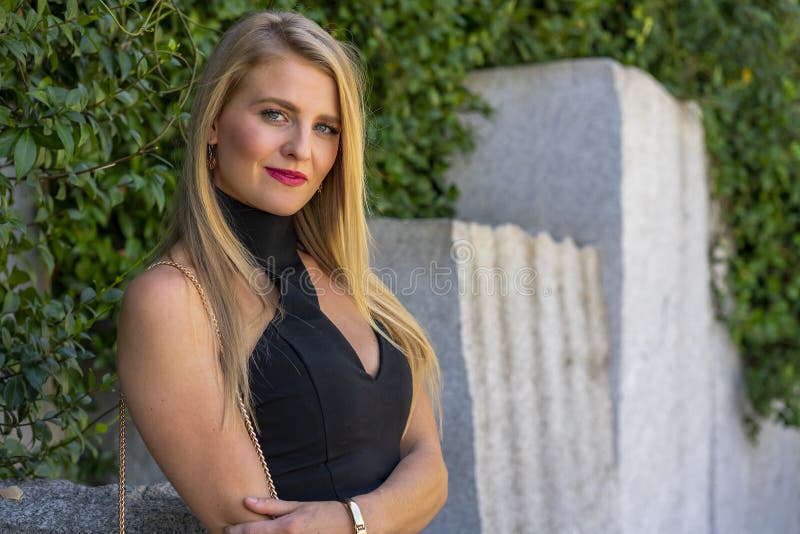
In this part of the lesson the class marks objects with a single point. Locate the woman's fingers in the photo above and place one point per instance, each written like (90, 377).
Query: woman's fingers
(294, 517)
(257, 527)
(271, 507)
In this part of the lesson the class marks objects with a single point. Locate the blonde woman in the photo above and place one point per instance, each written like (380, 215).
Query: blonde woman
(339, 378)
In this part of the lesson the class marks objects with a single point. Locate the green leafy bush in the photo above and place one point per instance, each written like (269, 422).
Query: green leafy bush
(89, 101)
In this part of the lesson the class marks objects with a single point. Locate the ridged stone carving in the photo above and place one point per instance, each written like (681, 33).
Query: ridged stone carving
(536, 352)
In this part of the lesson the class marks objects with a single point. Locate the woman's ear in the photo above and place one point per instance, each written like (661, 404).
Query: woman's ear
(212, 134)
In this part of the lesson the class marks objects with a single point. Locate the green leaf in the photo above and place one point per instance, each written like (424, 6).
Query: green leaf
(108, 61)
(126, 98)
(35, 376)
(45, 141)
(7, 141)
(14, 392)
(87, 294)
(158, 193)
(18, 276)
(53, 310)
(40, 95)
(30, 21)
(136, 137)
(5, 116)
(74, 116)
(11, 302)
(73, 100)
(72, 9)
(111, 296)
(124, 60)
(101, 428)
(141, 67)
(17, 49)
(107, 383)
(64, 132)
(46, 257)
(24, 154)
(69, 324)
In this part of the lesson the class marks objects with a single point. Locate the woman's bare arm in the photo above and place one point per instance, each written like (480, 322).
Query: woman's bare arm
(173, 388)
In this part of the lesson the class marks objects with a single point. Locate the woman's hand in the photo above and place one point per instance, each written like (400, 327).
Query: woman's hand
(323, 517)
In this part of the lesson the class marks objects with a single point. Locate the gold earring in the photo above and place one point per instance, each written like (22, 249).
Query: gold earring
(319, 189)
(211, 158)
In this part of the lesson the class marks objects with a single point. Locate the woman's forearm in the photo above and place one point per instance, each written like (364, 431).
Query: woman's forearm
(411, 496)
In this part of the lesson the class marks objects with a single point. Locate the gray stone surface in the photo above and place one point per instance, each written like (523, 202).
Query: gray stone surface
(62, 507)
(550, 160)
(413, 257)
(666, 434)
(756, 487)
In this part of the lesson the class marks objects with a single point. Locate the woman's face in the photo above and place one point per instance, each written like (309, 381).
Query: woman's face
(278, 135)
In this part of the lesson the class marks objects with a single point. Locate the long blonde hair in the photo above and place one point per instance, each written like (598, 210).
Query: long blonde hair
(331, 227)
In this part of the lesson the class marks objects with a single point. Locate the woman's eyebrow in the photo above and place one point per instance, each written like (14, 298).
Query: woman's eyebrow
(291, 107)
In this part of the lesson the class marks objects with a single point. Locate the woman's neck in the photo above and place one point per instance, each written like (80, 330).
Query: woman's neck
(270, 238)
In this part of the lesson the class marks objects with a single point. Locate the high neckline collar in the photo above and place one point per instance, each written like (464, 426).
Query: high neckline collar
(269, 237)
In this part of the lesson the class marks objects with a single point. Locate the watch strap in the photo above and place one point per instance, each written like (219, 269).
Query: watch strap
(355, 515)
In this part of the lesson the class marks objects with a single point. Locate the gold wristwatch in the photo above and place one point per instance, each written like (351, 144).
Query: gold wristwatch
(355, 514)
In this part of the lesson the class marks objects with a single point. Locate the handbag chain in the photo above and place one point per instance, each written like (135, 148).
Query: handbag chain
(245, 416)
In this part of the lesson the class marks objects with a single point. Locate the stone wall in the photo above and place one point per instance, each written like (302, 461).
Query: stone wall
(61, 506)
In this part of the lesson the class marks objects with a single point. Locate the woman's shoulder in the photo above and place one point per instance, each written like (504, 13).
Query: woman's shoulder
(162, 299)
(159, 284)
(162, 329)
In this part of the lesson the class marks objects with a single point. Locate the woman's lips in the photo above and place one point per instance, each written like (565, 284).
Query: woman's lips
(286, 176)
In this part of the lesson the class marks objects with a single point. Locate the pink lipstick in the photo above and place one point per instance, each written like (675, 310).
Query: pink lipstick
(286, 176)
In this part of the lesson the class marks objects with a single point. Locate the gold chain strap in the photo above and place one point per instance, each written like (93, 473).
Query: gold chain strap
(248, 423)
(121, 503)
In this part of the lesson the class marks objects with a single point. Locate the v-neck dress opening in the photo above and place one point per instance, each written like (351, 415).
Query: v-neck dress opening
(337, 331)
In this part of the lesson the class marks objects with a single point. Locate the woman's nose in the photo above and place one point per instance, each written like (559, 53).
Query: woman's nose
(298, 145)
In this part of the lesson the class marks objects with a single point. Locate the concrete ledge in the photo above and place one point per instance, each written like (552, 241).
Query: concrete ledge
(60, 506)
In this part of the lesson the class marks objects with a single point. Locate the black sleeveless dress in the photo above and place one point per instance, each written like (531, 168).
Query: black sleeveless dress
(329, 430)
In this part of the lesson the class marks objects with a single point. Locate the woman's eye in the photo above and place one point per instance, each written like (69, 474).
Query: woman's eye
(327, 129)
(272, 114)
